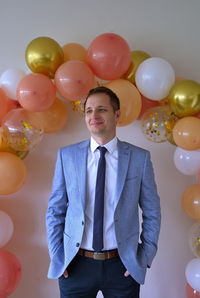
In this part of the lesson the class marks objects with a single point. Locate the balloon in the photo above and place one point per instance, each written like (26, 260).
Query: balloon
(74, 51)
(191, 201)
(198, 177)
(194, 239)
(44, 55)
(22, 129)
(184, 98)
(6, 228)
(192, 273)
(3, 104)
(54, 118)
(187, 162)
(36, 92)
(137, 57)
(191, 293)
(9, 81)
(130, 100)
(186, 133)
(146, 105)
(74, 79)
(109, 56)
(156, 123)
(12, 173)
(10, 273)
(154, 78)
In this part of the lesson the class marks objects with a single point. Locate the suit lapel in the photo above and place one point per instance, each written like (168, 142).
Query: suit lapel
(81, 169)
(123, 163)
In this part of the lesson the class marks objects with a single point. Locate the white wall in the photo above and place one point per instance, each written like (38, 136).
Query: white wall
(168, 29)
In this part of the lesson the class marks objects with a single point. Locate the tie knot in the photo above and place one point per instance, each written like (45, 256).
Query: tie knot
(102, 150)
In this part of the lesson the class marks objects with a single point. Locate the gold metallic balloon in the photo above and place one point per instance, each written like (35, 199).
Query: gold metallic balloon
(44, 55)
(184, 98)
(137, 57)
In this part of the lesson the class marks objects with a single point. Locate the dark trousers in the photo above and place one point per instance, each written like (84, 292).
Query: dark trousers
(87, 276)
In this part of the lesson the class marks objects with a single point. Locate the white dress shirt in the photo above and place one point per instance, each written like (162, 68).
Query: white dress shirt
(111, 157)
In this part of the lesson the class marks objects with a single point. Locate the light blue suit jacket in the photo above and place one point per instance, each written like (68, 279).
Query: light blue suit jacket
(135, 187)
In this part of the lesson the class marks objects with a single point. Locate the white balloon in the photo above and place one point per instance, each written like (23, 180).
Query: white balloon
(187, 161)
(154, 78)
(9, 81)
(6, 228)
(192, 273)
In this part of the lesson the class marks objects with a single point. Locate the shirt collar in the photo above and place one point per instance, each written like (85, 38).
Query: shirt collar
(110, 146)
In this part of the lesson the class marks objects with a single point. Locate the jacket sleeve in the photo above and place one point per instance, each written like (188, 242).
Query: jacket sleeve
(57, 208)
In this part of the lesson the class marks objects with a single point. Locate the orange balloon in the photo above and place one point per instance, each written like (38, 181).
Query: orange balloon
(54, 118)
(186, 133)
(191, 201)
(147, 104)
(10, 273)
(3, 104)
(12, 173)
(130, 100)
(74, 51)
(74, 79)
(36, 92)
(109, 56)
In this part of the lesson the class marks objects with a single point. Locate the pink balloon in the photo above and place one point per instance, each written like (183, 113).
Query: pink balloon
(36, 92)
(10, 273)
(109, 56)
(74, 79)
(191, 293)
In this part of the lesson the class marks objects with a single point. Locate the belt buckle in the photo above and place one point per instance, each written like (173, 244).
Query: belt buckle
(99, 256)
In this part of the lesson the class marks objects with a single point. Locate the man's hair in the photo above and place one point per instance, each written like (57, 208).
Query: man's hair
(114, 100)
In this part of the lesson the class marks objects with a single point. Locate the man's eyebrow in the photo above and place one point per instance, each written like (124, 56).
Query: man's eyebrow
(96, 107)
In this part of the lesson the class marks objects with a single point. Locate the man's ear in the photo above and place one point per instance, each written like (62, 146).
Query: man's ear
(117, 115)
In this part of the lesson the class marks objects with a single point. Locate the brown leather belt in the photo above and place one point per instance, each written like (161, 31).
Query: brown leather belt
(104, 255)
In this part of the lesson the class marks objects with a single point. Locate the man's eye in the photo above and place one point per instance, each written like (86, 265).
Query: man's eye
(102, 110)
(88, 111)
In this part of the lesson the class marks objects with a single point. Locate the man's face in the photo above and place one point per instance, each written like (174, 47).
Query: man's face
(100, 117)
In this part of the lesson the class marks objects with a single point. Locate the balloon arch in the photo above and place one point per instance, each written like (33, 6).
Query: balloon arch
(167, 107)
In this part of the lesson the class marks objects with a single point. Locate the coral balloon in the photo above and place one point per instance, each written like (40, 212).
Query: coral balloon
(187, 161)
(9, 81)
(146, 105)
(109, 56)
(130, 100)
(6, 228)
(54, 118)
(191, 201)
(184, 98)
(191, 293)
(36, 92)
(12, 173)
(21, 130)
(74, 79)
(154, 78)
(44, 55)
(192, 273)
(3, 104)
(74, 51)
(194, 239)
(137, 57)
(157, 122)
(10, 273)
(186, 133)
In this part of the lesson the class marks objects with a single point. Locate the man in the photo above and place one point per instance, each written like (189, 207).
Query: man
(89, 253)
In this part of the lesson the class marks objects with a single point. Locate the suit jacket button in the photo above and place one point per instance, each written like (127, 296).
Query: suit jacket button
(77, 244)
(82, 223)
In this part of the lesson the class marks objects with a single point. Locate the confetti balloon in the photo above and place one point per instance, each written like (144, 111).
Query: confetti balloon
(194, 239)
(157, 122)
(22, 129)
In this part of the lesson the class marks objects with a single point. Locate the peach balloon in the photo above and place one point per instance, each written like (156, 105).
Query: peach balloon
(54, 118)
(191, 201)
(12, 173)
(36, 92)
(130, 100)
(3, 104)
(74, 79)
(186, 133)
(10, 273)
(109, 56)
(74, 51)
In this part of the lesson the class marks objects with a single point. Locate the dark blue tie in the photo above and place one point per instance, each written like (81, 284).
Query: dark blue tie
(99, 202)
